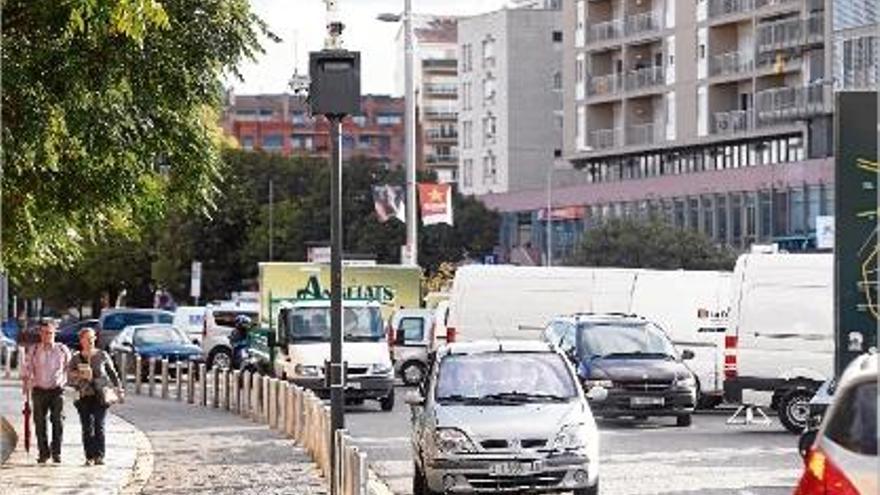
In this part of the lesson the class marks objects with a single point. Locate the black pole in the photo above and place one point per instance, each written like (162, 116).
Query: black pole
(337, 382)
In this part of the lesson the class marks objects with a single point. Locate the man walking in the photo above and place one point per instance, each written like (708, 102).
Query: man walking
(44, 376)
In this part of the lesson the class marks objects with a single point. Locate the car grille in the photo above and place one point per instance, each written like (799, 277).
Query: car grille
(645, 385)
(494, 484)
(357, 370)
(503, 444)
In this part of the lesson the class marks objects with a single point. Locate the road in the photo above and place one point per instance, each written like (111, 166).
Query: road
(645, 458)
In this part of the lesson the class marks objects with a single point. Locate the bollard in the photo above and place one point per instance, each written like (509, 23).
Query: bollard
(363, 477)
(227, 390)
(245, 405)
(190, 382)
(256, 396)
(298, 414)
(203, 385)
(339, 465)
(215, 387)
(7, 362)
(178, 381)
(264, 399)
(164, 378)
(151, 376)
(138, 373)
(288, 410)
(236, 392)
(123, 370)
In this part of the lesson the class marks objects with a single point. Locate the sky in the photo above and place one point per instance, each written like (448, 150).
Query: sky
(300, 24)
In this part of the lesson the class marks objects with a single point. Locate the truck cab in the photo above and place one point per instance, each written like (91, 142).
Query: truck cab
(304, 337)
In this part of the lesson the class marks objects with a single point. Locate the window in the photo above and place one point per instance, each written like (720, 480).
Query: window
(488, 89)
(359, 120)
(467, 137)
(298, 118)
(489, 129)
(489, 52)
(557, 36)
(273, 142)
(468, 172)
(854, 423)
(389, 119)
(557, 81)
(413, 330)
(489, 171)
(247, 143)
(364, 142)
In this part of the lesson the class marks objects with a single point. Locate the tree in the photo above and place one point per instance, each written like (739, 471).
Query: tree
(632, 243)
(100, 97)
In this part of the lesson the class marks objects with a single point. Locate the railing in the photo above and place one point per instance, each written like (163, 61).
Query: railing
(731, 63)
(792, 103)
(760, 4)
(726, 7)
(642, 134)
(790, 33)
(440, 64)
(441, 158)
(643, 23)
(608, 30)
(732, 122)
(437, 134)
(603, 139)
(645, 78)
(441, 89)
(604, 85)
(435, 113)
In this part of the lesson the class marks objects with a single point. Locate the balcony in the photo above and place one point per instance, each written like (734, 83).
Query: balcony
(605, 31)
(786, 103)
(645, 78)
(643, 23)
(440, 135)
(731, 63)
(733, 122)
(440, 65)
(791, 33)
(608, 84)
(644, 134)
(441, 159)
(440, 114)
(718, 8)
(603, 139)
(440, 90)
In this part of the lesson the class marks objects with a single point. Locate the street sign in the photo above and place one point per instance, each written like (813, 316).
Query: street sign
(196, 280)
(855, 242)
(825, 232)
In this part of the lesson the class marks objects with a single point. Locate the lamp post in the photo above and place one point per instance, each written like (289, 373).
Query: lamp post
(410, 128)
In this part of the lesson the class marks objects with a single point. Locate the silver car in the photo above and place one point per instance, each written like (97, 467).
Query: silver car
(842, 456)
(502, 416)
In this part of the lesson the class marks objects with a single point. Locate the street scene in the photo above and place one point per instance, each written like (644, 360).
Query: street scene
(429, 247)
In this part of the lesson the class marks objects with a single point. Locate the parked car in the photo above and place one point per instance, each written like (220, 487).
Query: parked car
(219, 321)
(191, 320)
(507, 416)
(69, 334)
(841, 458)
(412, 335)
(159, 341)
(113, 321)
(631, 359)
(9, 350)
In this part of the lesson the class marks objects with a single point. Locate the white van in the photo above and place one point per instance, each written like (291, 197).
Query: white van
(780, 341)
(304, 336)
(218, 324)
(190, 320)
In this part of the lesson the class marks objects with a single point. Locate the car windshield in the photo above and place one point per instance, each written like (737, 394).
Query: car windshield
(361, 324)
(532, 377)
(158, 336)
(624, 340)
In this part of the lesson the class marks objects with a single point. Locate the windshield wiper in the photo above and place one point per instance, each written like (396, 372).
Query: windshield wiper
(458, 398)
(526, 396)
(639, 354)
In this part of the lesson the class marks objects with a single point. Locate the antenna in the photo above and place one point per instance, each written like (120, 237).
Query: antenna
(299, 83)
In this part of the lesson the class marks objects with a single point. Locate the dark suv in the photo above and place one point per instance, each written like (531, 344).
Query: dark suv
(627, 365)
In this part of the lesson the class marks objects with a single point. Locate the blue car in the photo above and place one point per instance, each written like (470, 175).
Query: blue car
(159, 342)
(69, 334)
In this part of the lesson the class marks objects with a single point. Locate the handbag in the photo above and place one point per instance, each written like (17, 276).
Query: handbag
(108, 396)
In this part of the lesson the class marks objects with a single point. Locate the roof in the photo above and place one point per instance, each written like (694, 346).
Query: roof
(603, 317)
(109, 311)
(325, 303)
(436, 29)
(485, 346)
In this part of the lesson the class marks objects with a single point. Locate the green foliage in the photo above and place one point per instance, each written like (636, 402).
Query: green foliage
(632, 243)
(99, 98)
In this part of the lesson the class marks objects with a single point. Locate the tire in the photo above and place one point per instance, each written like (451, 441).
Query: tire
(794, 410)
(683, 421)
(221, 357)
(591, 490)
(412, 373)
(387, 402)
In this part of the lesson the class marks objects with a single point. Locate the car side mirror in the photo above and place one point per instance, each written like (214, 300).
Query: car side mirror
(415, 398)
(687, 354)
(808, 438)
(597, 394)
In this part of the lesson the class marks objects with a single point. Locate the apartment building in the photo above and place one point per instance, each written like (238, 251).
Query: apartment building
(510, 99)
(282, 123)
(436, 86)
(712, 114)
(856, 44)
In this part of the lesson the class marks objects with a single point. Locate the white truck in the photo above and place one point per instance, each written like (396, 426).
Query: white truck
(517, 302)
(780, 339)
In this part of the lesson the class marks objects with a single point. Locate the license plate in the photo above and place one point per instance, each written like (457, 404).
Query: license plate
(354, 385)
(514, 468)
(646, 401)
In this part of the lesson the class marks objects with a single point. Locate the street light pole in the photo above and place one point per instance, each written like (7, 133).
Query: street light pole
(410, 123)
(549, 217)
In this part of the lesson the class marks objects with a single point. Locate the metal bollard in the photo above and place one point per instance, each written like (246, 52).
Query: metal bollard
(215, 387)
(288, 410)
(164, 378)
(362, 478)
(227, 390)
(190, 382)
(256, 396)
(138, 373)
(7, 362)
(123, 370)
(151, 376)
(266, 396)
(297, 414)
(273, 403)
(244, 407)
(178, 381)
(236, 391)
(203, 385)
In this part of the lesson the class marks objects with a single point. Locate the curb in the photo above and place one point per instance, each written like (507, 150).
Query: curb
(143, 464)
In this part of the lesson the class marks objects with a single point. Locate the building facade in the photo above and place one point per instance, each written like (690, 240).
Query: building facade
(856, 44)
(510, 99)
(436, 87)
(713, 114)
(282, 123)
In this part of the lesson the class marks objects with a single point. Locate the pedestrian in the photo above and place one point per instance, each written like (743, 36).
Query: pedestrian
(93, 375)
(43, 378)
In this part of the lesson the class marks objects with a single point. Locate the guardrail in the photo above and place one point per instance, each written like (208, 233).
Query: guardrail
(285, 407)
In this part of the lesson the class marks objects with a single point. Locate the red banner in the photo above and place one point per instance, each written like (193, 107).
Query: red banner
(436, 203)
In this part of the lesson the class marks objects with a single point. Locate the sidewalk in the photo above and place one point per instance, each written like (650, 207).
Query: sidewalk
(22, 475)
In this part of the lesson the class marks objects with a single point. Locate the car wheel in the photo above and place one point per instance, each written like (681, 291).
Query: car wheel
(590, 490)
(794, 410)
(387, 402)
(222, 358)
(684, 420)
(412, 373)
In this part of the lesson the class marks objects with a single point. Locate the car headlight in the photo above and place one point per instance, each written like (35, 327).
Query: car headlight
(308, 370)
(588, 384)
(687, 382)
(572, 437)
(380, 369)
(452, 440)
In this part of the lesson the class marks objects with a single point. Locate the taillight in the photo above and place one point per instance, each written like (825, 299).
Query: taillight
(450, 335)
(730, 348)
(822, 477)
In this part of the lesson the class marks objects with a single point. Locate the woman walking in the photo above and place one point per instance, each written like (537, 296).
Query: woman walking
(92, 373)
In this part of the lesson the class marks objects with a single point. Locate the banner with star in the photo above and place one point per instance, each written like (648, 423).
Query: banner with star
(436, 203)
